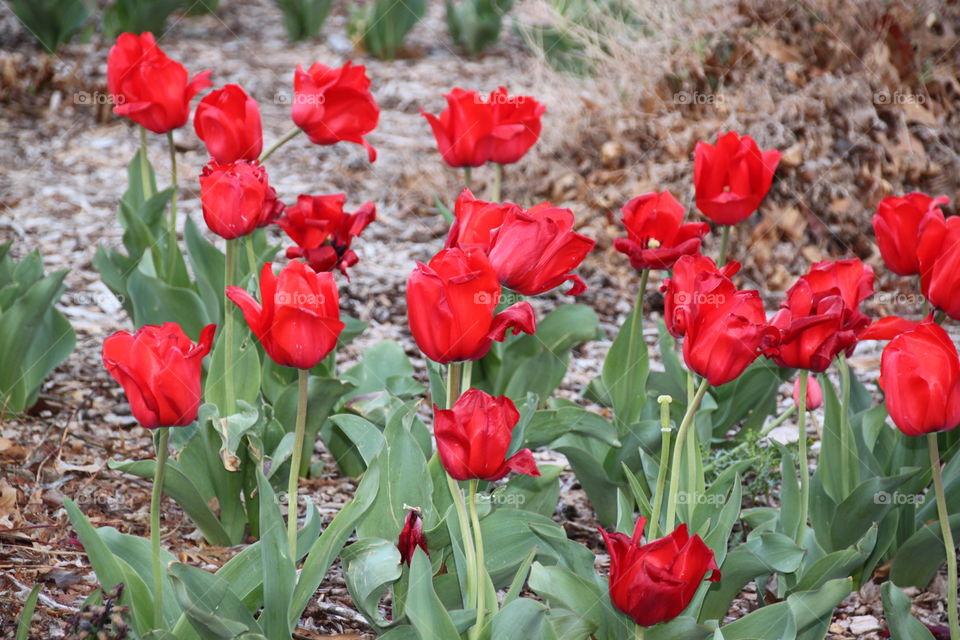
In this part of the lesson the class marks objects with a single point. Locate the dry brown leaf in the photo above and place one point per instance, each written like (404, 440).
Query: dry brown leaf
(8, 499)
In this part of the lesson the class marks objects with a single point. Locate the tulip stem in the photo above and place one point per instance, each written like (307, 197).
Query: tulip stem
(724, 243)
(284, 139)
(678, 451)
(664, 463)
(480, 567)
(454, 378)
(172, 233)
(802, 456)
(845, 428)
(497, 182)
(690, 451)
(156, 495)
(641, 631)
(146, 184)
(469, 550)
(947, 533)
(468, 177)
(229, 269)
(296, 457)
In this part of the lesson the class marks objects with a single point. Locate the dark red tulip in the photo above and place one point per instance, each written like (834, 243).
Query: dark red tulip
(723, 329)
(333, 105)
(464, 129)
(473, 438)
(733, 177)
(814, 393)
(516, 125)
(656, 235)
(159, 368)
(821, 316)
(411, 536)
(228, 122)
(451, 303)
(655, 582)
(147, 86)
(678, 288)
(920, 378)
(237, 198)
(324, 232)
(475, 221)
(939, 257)
(534, 251)
(896, 226)
(298, 322)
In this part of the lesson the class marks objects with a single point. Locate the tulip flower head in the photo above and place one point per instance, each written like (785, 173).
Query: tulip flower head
(228, 122)
(475, 220)
(324, 232)
(939, 257)
(473, 438)
(678, 288)
(298, 318)
(814, 393)
(656, 235)
(411, 536)
(732, 177)
(655, 582)
(237, 198)
(159, 368)
(896, 226)
(516, 125)
(148, 87)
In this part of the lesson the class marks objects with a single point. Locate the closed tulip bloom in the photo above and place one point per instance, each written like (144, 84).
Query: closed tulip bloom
(821, 316)
(473, 438)
(228, 122)
(534, 251)
(678, 288)
(655, 582)
(814, 393)
(464, 129)
(147, 86)
(516, 125)
(896, 226)
(733, 177)
(333, 105)
(451, 303)
(724, 329)
(939, 253)
(920, 378)
(411, 536)
(159, 368)
(236, 198)
(475, 220)
(656, 235)
(324, 232)
(298, 322)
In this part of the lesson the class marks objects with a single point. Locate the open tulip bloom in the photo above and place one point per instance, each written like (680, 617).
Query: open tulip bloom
(323, 231)
(656, 234)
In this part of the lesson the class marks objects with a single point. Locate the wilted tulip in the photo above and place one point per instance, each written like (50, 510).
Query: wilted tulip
(411, 536)
(324, 232)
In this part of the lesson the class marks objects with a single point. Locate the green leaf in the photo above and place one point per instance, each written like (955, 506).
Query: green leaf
(559, 586)
(522, 618)
(371, 565)
(207, 600)
(208, 266)
(279, 572)
(814, 609)
(381, 367)
(538, 494)
(303, 18)
(245, 371)
(839, 563)
(773, 622)
(864, 507)
(625, 371)
(423, 607)
(26, 614)
(896, 613)
(322, 395)
(547, 426)
(155, 302)
(354, 442)
(918, 559)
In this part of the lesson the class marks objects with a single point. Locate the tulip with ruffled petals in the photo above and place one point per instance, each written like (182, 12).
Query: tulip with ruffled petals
(475, 220)
(733, 177)
(678, 288)
(298, 322)
(939, 258)
(159, 368)
(237, 198)
(656, 235)
(473, 438)
(324, 232)
(228, 122)
(896, 226)
(451, 303)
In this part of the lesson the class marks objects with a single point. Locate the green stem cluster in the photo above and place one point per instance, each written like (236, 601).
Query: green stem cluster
(678, 451)
(665, 431)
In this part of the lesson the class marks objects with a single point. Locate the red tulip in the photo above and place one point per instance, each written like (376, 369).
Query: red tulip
(821, 316)
(889, 327)
(655, 582)
(451, 303)
(534, 251)
(333, 105)
(678, 289)
(237, 198)
(920, 377)
(896, 226)
(324, 232)
(159, 368)
(299, 321)
(473, 438)
(147, 86)
(464, 129)
(475, 221)
(411, 536)
(228, 121)
(733, 177)
(724, 329)
(656, 235)
(516, 125)
(814, 393)
(939, 254)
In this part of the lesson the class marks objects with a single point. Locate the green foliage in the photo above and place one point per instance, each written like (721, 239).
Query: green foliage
(34, 336)
(382, 25)
(51, 22)
(476, 24)
(137, 16)
(303, 18)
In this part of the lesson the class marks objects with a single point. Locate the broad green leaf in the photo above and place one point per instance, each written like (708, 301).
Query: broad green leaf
(207, 600)
(625, 370)
(371, 565)
(423, 607)
(279, 572)
(896, 613)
